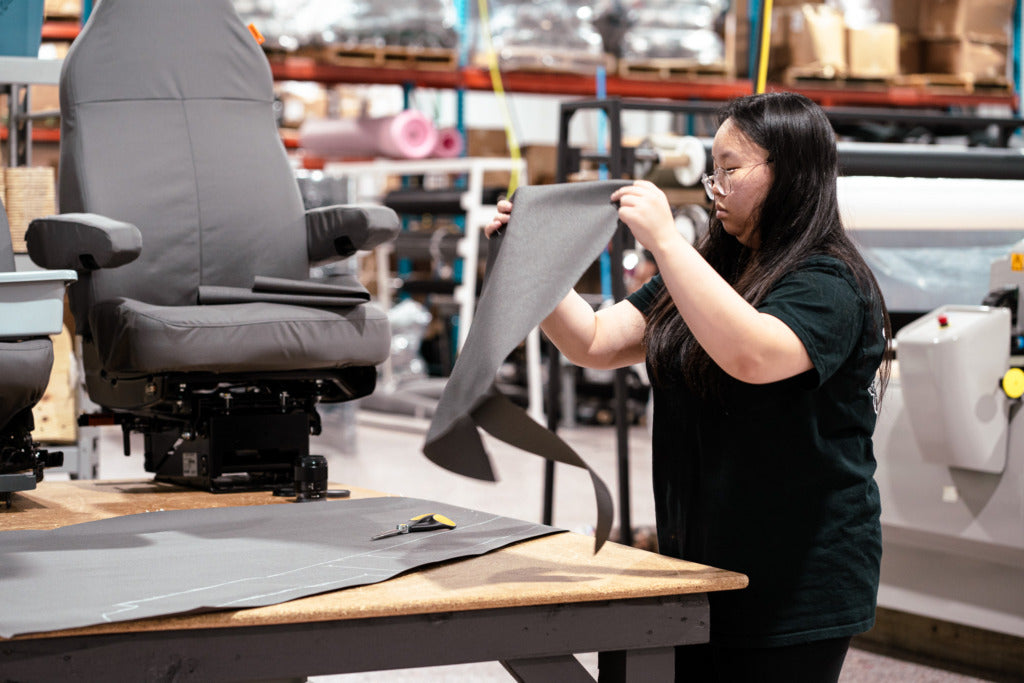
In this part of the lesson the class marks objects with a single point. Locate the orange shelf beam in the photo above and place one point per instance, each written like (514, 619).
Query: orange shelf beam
(38, 134)
(61, 29)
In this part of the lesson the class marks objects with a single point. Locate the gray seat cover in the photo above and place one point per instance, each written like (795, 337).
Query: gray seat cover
(24, 364)
(168, 124)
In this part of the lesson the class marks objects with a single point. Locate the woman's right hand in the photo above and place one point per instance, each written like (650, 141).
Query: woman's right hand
(500, 219)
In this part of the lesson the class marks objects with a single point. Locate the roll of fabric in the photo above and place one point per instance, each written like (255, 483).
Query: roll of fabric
(406, 135)
(450, 144)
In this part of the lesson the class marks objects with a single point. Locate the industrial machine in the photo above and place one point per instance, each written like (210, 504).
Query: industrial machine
(950, 435)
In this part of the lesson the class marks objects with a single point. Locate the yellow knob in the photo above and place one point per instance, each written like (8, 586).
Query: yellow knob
(1013, 383)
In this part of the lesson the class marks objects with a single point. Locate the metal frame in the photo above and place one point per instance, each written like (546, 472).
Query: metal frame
(533, 643)
(18, 74)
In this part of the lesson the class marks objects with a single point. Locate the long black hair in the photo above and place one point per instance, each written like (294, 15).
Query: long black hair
(798, 219)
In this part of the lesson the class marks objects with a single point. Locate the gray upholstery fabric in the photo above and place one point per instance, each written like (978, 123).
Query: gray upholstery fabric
(24, 373)
(136, 337)
(339, 231)
(555, 233)
(24, 365)
(236, 295)
(77, 241)
(350, 287)
(168, 125)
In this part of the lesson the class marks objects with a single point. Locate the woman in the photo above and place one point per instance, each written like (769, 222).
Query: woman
(762, 346)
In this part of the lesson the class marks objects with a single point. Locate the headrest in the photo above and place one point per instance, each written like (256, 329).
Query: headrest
(164, 49)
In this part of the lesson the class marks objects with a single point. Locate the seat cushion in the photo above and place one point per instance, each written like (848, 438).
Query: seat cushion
(24, 373)
(133, 337)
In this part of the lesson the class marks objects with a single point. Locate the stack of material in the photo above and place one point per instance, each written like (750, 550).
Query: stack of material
(836, 40)
(370, 30)
(29, 193)
(536, 36)
(665, 38)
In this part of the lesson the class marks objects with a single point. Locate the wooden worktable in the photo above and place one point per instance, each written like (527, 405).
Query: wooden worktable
(529, 605)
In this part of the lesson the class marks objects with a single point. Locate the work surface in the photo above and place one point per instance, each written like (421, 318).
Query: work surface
(515, 587)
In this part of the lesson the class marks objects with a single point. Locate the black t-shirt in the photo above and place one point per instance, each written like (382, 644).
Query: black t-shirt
(776, 480)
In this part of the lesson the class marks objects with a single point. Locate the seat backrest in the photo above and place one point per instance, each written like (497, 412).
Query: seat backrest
(168, 123)
(6, 249)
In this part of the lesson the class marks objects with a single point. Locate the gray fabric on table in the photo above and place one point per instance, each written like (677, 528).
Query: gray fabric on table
(180, 561)
(554, 234)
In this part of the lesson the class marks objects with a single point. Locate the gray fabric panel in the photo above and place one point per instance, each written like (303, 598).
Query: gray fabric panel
(352, 287)
(555, 233)
(136, 337)
(180, 561)
(136, 166)
(75, 241)
(135, 50)
(213, 295)
(24, 374)
(6, 249)
(334, 232)
(252, 218)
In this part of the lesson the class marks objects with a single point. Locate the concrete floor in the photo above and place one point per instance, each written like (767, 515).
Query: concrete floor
(383, 452)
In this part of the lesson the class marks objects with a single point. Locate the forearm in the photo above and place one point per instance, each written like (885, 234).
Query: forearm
(604, 340)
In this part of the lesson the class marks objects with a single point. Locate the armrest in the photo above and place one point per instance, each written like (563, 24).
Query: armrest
(82, 241)
(334, 232)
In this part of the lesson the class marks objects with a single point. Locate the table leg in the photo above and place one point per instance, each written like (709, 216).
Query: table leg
(655, 664)
(564, 668)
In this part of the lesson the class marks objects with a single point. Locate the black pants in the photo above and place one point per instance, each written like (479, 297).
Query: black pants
(816, 662)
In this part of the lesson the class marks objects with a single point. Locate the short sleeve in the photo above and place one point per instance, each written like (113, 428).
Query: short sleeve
(823, 306)
(645, 297)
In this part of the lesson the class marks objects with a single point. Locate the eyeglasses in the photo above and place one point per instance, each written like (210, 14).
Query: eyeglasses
(723, 179)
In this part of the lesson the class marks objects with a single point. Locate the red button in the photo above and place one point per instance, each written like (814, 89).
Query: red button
(943, 321)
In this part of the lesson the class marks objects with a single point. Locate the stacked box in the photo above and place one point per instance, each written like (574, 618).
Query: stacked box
(873, 51)
(969, 38)
(815, 36)
(906, 14)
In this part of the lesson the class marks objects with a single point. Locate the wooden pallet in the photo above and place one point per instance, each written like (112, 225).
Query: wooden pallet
(667, 69)
(391, 56)
(819, 77)
(960, 83)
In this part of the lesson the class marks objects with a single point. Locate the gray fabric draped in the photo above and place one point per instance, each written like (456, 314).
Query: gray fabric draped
(554, 234)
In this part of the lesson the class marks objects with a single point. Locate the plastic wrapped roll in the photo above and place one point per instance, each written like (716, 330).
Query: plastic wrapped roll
(407, 135)
(450, 144)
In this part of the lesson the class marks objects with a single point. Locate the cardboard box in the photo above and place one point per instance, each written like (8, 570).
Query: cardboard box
(817, 40)
(907, 15)
(874, 51)
(985, 21)
(977, 61)
(911, 57)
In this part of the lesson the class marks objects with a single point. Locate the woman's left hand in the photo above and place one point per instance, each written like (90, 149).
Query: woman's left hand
(644, 208)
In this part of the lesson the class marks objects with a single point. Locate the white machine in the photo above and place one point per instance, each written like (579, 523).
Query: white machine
(950, 449)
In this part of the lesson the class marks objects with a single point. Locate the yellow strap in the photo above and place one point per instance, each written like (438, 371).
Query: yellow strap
(766, 39)
(499, 91)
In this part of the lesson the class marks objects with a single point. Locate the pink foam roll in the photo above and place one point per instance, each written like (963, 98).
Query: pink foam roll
(450, 144)
(407, 135)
